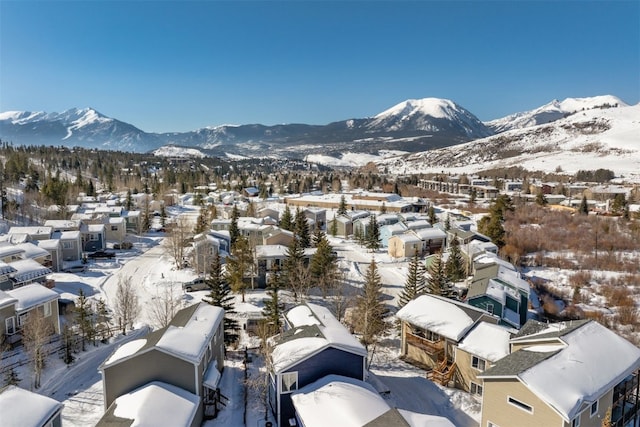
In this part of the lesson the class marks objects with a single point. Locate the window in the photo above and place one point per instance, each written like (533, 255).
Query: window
(521, 405)
(22, 319)
(594, 408)
(490, 424)
(94, 237)
(67, 245)
(10, 325)
(289, 382)
(576, 421)
(476, 389)
(490, 308)
(114, 228)
(478, 363)
(47, 309)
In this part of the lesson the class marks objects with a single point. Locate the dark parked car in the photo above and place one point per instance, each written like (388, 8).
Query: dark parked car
(101, 254)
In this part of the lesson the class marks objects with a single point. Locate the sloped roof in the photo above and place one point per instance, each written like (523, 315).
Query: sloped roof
(28, 269)
(23, 408)
(32, 295)
(314, 328)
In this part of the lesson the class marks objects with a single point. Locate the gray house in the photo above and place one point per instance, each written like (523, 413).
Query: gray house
(315, 345)
(187, 354)
(20, 407)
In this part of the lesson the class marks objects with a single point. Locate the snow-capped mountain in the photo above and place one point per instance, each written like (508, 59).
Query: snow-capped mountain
(74, 127)
(413, 125)
(429, 114)
(590, 139)
(553, 111)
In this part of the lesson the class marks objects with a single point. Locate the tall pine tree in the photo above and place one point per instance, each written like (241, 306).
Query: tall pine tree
(342, 207)
(370, 310)
(286, 221)
(373, 234)
(301, 229)
(455, 268)
(220, 296)
(416, 282)
(234, 231)
(437, 282)
(272, 306)
(323, 267)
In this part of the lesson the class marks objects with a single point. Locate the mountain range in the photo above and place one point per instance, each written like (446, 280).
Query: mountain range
(412, 126)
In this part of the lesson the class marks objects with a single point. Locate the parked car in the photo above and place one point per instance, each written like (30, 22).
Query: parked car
(101, 254)
(76, 269)
(198, 284)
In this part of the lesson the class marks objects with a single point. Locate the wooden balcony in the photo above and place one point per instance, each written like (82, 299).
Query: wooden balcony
(443, 373)
(433, 348)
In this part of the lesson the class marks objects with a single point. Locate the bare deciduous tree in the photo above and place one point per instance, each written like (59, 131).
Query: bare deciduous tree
(35, 335)
(164, 305)
(126, 305)
(175, 240)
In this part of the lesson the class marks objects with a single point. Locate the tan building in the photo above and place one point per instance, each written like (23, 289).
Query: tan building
(566, 374)
(404, 245)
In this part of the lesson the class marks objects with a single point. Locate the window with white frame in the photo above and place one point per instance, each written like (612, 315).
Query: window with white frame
(289, 382)
(114, 228)
(594, 408)
(67, 245)
(576, 421)
(521, 405)
(476, 389)
(10, 325)
(94, 237)
(478, 363)
(46, 309)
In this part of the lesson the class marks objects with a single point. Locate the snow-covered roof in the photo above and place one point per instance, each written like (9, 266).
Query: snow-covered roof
(310, 336)
(28, 269)
(406, 238)
(125, 350)
(338, 401)
(440, 315)
(49, 244)
(190, 341)
(6, 268)
(487, 341)
(9, 249)
(588, 361)
(157, 404)
(6, 299)
(23, 408)
(430, 233)
(32, 231)
(62, 224)
(32, 251)
(32, 295)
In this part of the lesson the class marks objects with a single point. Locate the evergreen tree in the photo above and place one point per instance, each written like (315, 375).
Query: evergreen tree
(202, 223)
(492, 225)
(238, 265)
(541, 199)
(272, 310)
(455, 265)
(373, 234)
(432, 215)
(128, 204)
(370, 310)
(383, 209)
(415, 283)
(447, 223)
(220, 296)
(286, 221)
(295, 273)
(301, 229)
(323, 267)
(102, 320)
(342, 207)
(234, 231)
(83, 318)
(333, 228)
(584, 206)
(251, 210)
(437, 282)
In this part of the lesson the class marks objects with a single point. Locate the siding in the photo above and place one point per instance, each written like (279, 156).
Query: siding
(496, 409)
(329, 361)
(466, 371)
(154, 365)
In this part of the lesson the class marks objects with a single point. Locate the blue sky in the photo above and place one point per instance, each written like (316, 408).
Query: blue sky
(182, 65)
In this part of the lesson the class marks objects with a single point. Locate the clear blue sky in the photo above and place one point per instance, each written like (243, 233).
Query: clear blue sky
(182, 65)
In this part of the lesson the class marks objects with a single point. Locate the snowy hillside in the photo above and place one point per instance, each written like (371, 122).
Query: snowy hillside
(591, 139)
(173, 151)
(553, 111)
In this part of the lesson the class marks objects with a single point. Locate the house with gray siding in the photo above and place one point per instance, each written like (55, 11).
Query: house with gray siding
(314, 345)
(187, 354)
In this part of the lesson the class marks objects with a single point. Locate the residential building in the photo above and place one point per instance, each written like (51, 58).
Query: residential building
(565, 374)
(404, 245)
(314, 345)
(187, 354)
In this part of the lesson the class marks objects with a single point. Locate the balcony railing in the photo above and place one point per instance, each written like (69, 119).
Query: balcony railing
(434, 348)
